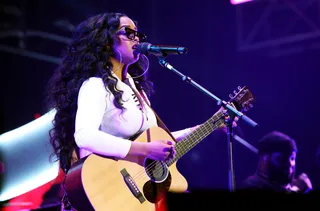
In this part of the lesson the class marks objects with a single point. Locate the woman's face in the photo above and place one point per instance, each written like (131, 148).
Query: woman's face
(124, 48)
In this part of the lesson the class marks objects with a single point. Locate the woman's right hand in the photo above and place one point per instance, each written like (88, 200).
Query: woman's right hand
(161, 150)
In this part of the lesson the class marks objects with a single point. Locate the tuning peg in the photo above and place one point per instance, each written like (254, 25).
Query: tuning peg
(234, 92)
(230, 95)
(239, 88)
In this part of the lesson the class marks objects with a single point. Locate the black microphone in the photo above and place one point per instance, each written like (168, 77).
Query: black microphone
(159, 50)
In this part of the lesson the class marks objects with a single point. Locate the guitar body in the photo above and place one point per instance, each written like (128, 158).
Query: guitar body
(134, 183)
(137, 183)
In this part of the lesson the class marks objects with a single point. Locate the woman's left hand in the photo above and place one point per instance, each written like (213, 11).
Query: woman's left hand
(227, 117)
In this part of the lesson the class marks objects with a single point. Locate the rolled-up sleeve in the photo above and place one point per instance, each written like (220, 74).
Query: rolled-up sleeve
(180, 134)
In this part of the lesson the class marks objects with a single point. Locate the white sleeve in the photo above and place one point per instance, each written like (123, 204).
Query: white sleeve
(180, 134)
(91, 108)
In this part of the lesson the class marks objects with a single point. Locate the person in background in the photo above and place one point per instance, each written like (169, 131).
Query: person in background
(277, 166)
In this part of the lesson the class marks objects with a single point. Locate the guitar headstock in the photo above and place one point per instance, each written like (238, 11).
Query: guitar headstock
(242, 99)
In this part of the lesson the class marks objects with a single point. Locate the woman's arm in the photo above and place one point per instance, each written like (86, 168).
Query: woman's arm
(181, 134)
(91, 108)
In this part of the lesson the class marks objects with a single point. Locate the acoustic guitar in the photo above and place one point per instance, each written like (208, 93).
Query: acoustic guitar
(135, 183)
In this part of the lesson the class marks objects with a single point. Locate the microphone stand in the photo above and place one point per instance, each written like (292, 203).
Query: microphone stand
(232, 112)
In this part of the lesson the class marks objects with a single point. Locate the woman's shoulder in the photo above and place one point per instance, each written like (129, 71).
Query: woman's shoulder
(94, 80)
(93, 83)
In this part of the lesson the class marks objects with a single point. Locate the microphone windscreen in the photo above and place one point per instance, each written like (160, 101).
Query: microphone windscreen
(143, 48)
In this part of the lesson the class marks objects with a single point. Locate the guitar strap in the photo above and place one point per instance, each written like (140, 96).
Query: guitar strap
(141, 94)
(160, 124)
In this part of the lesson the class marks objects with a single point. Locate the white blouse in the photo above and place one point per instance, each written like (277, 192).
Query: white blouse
(102, 128)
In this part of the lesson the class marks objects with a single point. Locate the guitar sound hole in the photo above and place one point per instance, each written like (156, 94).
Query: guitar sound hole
(157, 171)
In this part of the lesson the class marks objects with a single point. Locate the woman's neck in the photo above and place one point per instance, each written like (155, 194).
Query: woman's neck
(119, 69)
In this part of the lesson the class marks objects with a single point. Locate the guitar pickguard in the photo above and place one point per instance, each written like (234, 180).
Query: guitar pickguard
(152, 189)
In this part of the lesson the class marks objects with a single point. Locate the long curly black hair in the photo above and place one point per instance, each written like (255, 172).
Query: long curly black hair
(86, 56)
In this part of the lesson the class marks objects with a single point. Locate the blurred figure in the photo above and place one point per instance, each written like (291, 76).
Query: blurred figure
(277, 166)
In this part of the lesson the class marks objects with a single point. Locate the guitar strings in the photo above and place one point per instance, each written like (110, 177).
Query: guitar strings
(184, 148)
(215, 118)
(218, 116)
(143, 174)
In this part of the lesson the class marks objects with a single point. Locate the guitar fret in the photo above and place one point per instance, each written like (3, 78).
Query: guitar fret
(242, 100)
(196, 136)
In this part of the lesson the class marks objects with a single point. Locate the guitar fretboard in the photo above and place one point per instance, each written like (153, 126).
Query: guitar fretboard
(190, 141)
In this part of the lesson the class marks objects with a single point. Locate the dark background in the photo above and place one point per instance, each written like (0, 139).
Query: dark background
(279, 63)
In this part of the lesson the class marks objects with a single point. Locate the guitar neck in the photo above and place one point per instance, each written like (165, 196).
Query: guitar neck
(194, 138)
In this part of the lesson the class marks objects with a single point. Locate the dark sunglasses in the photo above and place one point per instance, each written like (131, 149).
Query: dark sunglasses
(132, 34)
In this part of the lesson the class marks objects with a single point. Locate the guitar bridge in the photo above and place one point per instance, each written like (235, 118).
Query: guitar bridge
(132, 186)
